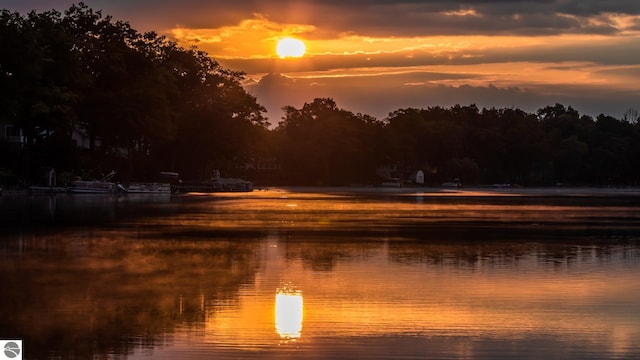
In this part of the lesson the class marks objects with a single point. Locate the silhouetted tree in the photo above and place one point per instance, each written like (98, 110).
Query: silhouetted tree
(144, 102)
(325, 145)
(39, 71)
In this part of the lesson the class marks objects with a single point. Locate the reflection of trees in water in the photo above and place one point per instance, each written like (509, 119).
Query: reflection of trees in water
(322, 254)
(506, 253)
(455, 254)
(20, 212)
(76, 295)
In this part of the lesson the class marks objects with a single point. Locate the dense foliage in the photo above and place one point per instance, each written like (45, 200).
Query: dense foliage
(327, 145)
(556, 145)
(145, 105)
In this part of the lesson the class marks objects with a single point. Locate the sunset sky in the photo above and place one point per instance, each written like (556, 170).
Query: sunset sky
(377, 56)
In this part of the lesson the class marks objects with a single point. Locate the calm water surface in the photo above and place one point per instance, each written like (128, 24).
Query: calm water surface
(326, 274)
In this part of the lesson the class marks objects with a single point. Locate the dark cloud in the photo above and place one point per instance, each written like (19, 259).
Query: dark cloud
(419, 18)
(625, 51)
(595, 7)
(365, 17)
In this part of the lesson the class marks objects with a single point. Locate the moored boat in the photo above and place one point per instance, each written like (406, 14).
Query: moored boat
(104, 186)
(216, 184)
(93, 187)
(148, 188)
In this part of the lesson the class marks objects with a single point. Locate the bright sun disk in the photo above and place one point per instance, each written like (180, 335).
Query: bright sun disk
(290, 47)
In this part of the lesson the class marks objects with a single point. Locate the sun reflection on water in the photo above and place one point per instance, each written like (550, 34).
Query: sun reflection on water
(289, 312)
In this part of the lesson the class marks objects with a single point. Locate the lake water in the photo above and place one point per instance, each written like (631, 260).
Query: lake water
(324, 274)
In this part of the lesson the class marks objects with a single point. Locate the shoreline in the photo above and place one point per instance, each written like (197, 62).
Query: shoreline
(479, 190)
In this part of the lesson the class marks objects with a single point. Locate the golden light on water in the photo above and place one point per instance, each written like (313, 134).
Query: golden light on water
(289, 312)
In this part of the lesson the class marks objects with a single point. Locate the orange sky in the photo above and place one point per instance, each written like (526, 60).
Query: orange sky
(375, 57)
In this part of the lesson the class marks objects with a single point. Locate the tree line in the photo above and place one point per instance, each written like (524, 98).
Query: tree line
(139, 98)
(479, 146)
(144, 105)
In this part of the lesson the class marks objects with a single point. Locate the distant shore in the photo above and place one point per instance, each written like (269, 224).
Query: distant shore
(479, 190)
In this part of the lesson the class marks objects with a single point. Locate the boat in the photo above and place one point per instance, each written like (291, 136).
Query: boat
(456, 183)
(215, 184)
(93, 187)
(104, 186)
(148, 188)
(394, 183)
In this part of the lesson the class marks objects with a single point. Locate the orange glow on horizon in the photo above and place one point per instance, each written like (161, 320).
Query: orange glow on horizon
(255, 38)
(345, 54)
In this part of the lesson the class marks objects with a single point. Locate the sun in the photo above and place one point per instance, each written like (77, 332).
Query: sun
(290, 47)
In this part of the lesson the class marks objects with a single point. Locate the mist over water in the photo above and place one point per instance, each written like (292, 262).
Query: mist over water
(324, 273)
